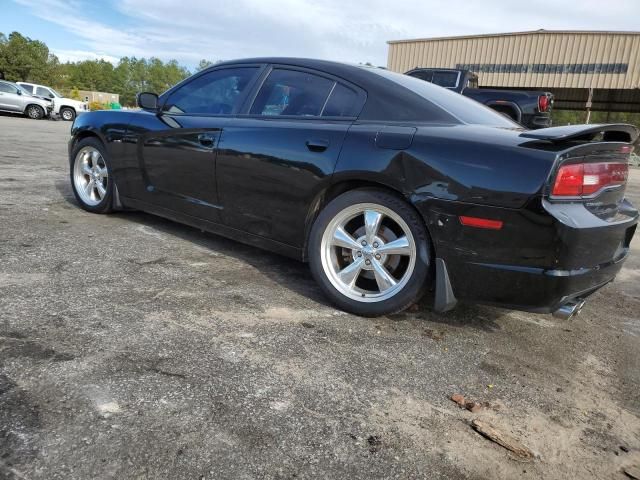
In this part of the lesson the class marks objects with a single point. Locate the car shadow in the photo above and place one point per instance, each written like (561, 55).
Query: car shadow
(295, 275)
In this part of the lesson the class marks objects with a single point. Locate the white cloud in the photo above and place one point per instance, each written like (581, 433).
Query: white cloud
(79, 55)
(354, 31)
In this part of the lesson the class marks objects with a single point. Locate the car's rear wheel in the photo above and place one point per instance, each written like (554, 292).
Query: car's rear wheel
(370, 252)
(36, 112)
(68, 114)
(91, 176)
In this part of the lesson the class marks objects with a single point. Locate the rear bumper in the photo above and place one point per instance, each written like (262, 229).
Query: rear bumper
(534, 263)
(536, 120)
(525, 288)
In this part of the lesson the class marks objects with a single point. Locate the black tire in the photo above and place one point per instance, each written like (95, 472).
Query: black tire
(67, 114)
(106, 204)
(35, 112)
(417, 283)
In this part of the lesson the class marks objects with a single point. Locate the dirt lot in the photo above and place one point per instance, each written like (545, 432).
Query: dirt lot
(134, 347)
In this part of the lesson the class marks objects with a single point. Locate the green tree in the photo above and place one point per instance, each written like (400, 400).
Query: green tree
(23, 59)
(204, 64)
(75, 93)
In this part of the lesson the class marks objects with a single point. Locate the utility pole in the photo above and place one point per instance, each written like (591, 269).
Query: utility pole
(589, 103)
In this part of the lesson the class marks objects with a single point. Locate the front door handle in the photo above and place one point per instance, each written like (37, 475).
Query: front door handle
(207, 140)
(317, 145)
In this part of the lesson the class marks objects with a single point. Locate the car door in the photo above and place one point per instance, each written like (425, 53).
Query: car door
(177, 146)
(274, 158)
(10, 100)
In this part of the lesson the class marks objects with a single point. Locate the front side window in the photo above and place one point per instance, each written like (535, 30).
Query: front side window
(445, 79)
(217, 92)
(44, 92)
(290, 92)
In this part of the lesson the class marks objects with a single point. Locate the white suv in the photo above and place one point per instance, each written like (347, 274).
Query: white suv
(65, 108)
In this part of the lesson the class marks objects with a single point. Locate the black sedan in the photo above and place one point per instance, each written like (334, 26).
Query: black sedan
(387, 185)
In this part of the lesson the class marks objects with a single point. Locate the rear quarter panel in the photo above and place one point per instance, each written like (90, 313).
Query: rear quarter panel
(462, 163)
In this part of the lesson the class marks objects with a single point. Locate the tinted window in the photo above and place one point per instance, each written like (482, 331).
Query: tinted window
(6, 88)
(461, 107)
(343, 102)
(214, 93)
(288, 92)
(445, 79)
(423, 75)
(43, 92)
(28, 88)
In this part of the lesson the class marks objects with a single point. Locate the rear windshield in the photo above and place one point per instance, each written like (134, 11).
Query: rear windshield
(461, 107)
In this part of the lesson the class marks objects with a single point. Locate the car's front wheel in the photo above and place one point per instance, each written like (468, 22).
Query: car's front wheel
(68, 114)
(370, 252)
(36, 112)
(91, 176)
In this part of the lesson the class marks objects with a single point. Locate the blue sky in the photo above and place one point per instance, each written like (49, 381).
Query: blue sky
(346, 30)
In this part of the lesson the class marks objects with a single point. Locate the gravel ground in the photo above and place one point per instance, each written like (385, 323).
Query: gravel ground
(132, 347)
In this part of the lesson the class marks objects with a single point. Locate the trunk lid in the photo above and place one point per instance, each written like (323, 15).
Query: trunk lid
(593, 160)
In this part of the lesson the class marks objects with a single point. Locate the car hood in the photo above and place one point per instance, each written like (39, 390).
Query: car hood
(69, 101)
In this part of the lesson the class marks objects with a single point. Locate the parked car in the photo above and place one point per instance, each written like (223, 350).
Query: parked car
(14, 99)
(65, 108)
(387, 185)
(531, 109)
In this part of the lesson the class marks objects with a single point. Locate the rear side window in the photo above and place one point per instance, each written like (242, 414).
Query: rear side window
(343, 102)
(289, 92)
(445, 79)
(28, 88)
(217, 92)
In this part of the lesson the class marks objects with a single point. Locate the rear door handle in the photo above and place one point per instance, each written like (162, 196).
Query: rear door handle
(317, 145)
(207, 140)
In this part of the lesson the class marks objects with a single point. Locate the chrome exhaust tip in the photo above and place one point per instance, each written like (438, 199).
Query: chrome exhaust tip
(569, 309)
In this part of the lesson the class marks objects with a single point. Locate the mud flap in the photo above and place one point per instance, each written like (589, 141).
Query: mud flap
(445, 300)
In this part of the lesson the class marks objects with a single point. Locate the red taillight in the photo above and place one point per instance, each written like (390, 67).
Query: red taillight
(481, 222)
(543, 103)
(583, 179)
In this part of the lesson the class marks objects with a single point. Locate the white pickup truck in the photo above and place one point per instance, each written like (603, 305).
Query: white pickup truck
(65, 108)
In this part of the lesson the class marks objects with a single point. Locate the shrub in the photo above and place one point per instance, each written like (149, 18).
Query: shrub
(99, 106)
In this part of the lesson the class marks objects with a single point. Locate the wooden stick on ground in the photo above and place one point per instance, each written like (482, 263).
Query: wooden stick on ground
(501, 439)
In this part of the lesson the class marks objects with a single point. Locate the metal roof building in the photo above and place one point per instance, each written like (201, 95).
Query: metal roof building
(575, 65)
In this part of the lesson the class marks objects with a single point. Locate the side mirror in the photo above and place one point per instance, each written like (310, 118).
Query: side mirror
(147, 101)
(19, 92)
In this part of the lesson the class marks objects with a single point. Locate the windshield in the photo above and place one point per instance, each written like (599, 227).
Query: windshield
(463, 108)
(55, 93)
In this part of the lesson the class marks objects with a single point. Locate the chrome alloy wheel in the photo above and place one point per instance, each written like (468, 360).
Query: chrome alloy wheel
(90, 176)
(34, 112)
(368, 252)
(67, 114)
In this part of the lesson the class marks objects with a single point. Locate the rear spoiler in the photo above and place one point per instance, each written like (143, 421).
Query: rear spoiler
(620, 132)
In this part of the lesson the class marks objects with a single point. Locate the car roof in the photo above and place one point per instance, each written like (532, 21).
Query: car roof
(386, 100)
